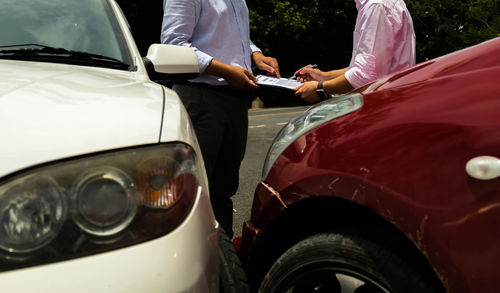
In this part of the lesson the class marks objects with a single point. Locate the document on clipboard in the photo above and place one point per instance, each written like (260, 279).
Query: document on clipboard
(277, 82)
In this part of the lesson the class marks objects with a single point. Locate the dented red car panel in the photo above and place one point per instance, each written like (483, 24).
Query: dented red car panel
(403, 155)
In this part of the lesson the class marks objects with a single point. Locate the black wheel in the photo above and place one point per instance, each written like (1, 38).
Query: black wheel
(344, 264)
(232, 276)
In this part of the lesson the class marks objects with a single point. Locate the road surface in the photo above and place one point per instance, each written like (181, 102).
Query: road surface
(264, 124)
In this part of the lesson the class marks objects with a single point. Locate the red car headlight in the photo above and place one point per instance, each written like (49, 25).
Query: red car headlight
(318, 114)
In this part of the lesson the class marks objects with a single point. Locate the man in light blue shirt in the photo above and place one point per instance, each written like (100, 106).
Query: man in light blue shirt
(218, 31)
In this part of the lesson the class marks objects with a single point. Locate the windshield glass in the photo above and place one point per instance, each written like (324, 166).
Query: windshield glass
(87, 26)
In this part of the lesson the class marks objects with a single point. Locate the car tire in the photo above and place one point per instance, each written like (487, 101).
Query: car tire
(232, 275)
(342, 263)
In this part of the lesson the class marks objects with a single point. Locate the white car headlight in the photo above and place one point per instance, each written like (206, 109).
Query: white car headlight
(32, 211)
(96, 203)
(311, 118)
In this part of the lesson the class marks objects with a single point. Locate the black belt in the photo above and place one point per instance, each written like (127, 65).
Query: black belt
(220, 88)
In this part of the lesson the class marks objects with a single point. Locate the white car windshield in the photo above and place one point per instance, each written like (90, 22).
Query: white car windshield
(55, 30)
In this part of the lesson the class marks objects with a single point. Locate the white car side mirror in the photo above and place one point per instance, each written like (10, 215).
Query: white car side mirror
(173, 62)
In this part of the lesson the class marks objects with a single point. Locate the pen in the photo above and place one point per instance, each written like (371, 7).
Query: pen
(314, 66)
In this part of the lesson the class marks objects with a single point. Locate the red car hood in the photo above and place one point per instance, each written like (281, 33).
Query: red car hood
(478, 57)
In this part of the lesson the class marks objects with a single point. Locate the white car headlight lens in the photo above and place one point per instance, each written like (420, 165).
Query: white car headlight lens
(311, 118)
(31, 213)
(105, 202)
(96, 203)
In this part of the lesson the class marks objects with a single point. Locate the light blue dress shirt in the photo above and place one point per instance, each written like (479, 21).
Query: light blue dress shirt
(213, 28)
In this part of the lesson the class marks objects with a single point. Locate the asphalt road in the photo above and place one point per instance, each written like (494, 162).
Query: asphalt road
(264, 124)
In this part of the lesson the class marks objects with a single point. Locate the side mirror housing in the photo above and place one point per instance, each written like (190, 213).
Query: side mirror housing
(171, 63)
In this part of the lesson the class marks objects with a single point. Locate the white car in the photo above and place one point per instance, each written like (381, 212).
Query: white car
(102, 184)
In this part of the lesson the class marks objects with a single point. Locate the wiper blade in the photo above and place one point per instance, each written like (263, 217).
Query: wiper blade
(27, 45)
(31, 49)
(39, 51)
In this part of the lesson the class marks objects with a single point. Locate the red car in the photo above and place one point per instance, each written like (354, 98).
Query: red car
(392, 188)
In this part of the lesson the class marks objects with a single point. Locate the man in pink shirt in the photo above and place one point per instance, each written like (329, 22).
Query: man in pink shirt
(383, 43)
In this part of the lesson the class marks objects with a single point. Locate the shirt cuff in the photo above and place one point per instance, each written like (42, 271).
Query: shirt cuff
(351, 76)
(254, 48)
(204, 59)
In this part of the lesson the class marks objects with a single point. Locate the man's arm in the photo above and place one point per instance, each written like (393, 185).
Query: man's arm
(335, 73)
(309, 73)
(338, 85)
(376, 44)
(179, 21)
(238, 78)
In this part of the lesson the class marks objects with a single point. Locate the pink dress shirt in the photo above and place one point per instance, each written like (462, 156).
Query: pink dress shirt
(383, 43)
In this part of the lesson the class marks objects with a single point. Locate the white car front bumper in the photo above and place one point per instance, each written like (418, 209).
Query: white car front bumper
(185, 260)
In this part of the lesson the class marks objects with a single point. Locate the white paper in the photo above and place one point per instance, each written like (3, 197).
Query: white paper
(278, 82)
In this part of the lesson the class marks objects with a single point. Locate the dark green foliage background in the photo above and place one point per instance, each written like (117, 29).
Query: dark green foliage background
(301, 32)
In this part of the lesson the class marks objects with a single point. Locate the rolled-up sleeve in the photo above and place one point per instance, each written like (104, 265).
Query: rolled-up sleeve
(373, 46)
(179, 19)
(254, 48)
(362, 71)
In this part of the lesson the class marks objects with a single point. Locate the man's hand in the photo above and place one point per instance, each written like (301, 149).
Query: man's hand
(268, 64)
(240, 78)
(237, 77)
(309, 73)
(307, 91)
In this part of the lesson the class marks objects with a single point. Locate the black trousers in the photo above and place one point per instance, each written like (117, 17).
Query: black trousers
(220, 119)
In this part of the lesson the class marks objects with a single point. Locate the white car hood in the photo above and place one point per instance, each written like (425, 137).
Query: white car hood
(54, 111)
